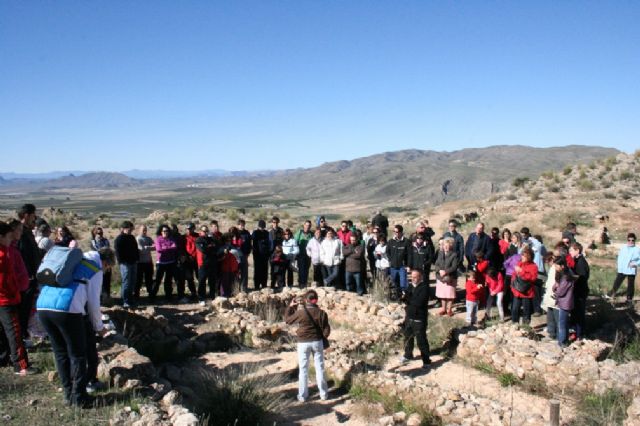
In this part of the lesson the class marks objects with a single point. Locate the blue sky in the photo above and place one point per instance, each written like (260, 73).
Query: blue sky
(245, 85)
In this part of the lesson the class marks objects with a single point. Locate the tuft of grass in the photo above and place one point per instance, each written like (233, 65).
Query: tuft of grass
(586, 185)
(520, 182)
(236, 395)
(485, 368)
(626, 349)
(507, 379)
(567, 170)
(609, 408)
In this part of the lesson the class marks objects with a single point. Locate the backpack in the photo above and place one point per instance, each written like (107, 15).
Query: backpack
(58, 265)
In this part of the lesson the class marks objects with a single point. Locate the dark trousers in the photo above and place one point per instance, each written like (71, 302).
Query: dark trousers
(418, 330)
(27, 298)
(184, 272)
(304, 262)
(92, 350)
(166, 271)
(372, 268)
(317, 274)
(260, 272)
(11, 344)
(508, 295)
(631, 285)
(526, 310)
(277, 278)
(144, 273)
(68, 341)
(207, 274)
(537, 298)
(106, 282)
(289, 276)
(244, 273)
(578, 315)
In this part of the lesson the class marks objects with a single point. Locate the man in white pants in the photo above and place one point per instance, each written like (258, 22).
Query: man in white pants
(313, 329)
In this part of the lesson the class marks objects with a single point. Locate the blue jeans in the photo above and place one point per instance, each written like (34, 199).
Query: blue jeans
(128, 273)
(472, 312)
(526, 310)
(358, 279)
(399, 274)
(305, 349)
(330, 273)
(563, 324)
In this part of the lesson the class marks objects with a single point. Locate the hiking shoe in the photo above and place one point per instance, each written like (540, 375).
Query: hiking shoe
(404, 360)
(301, 399)
(607, 296)
(202, 303)
(95, 386)
(29, 371)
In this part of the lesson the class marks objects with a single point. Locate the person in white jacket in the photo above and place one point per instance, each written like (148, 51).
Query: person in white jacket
(313, 251)
(331, 256)
(291, 250)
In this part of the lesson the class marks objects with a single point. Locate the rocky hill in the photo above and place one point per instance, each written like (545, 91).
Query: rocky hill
(90, 180)
(417, 177)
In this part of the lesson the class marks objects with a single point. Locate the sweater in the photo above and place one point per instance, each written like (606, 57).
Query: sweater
(474, 291)
(382, 261)
(563, 290)
(167, 250)
(313, 251)
(448, 262)
(528, 273)
(354, 257)
(145, 246)
(495, 285)
(626, 257)
(581, 284)
(126, 248)
(31, 254)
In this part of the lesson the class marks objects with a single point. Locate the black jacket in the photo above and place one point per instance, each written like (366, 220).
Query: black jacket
(381, 222)
(447, 262)
(209, 247)
(398, 252)
(126, 247)
(420, 257)
(261, 244)
(581, 285)
(476, 243)
(30, 252)
(417, 299)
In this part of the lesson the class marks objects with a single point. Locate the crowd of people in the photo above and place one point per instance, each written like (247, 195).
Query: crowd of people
(510, 271)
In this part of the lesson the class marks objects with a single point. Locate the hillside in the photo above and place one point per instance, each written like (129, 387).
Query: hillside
(413, 177)
(90, 180)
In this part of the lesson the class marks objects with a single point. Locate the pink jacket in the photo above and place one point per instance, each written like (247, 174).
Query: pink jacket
(19, 268)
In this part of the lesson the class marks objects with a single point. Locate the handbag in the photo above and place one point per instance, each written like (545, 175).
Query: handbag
(325, 341)
(521, 285)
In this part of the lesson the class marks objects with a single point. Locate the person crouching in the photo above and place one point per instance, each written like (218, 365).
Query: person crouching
(313, 330)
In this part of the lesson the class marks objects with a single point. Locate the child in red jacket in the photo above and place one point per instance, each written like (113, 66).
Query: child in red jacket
(9, 301)
(475, 296)
(495, 284)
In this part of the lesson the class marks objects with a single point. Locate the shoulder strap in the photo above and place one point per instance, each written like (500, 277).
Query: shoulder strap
(315, 324)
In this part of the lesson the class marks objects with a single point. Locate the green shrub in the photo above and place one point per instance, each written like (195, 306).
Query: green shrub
(520, 182)
(609, 408)
(507, 379)
(535, 194)
(625, 175)
(582, 175)
(549, 174)
(586, 185)
(567, 170)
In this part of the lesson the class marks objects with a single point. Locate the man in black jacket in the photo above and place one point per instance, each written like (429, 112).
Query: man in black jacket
(398, 253)
(478, 241)
(126, 248)
(381, 222)
(32, 257)
(261, 254)
(415, 323)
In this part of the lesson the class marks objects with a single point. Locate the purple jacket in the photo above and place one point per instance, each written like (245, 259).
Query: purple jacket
(510, 264)
(563, 291)
(167, 250)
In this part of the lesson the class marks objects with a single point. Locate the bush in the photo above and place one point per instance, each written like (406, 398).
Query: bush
(549, 174)
(567, 170)
(236, 395)
(558, 219)
(625, 175)
(519, 182)
(507, 379)
(586, 185)
(583, 174)
(535, 194)
(609, 408)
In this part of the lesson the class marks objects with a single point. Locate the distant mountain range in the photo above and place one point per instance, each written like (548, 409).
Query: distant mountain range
(401, 178)
(135, 174)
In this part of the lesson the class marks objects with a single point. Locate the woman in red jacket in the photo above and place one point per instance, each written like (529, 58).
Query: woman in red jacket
(527, 272)
(9, 301)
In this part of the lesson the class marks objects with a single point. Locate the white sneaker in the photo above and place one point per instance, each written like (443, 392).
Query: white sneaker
(202, 303)
(301, 399)
(404, 360)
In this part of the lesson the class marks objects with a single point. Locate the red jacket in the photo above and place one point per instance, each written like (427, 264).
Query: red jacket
(529, 273)
(481, 269)
(474, 293)
(9, 291)
(191, 245)
(19, 268)
(345, 237)
(229, 263)
(504, 246)
(495, 285)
